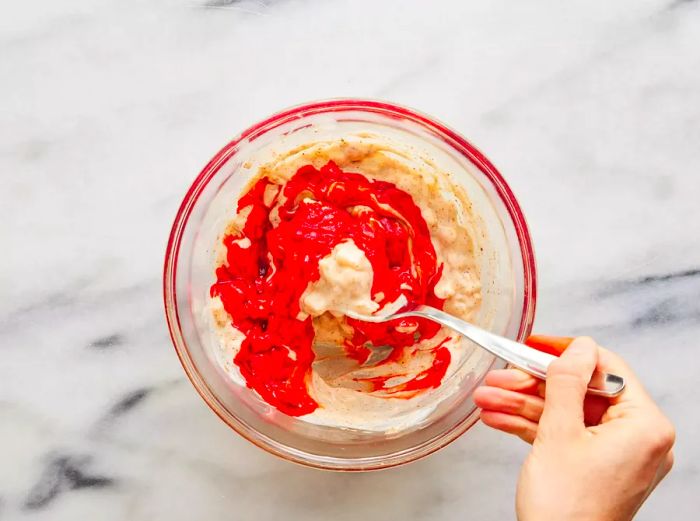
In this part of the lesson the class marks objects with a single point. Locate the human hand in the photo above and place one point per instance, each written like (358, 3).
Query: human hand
(592, 459)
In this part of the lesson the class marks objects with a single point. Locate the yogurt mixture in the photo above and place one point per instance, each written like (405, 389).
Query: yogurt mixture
(360, 224)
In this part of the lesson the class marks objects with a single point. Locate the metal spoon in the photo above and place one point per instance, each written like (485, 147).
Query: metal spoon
(530, 360)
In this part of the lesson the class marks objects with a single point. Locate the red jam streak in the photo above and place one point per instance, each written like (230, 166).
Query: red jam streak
(262, 280)
(429, 378)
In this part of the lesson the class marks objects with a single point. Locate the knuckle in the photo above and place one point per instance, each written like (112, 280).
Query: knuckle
(668, 463)
(668, 436)
(518, 400)
(661, 437)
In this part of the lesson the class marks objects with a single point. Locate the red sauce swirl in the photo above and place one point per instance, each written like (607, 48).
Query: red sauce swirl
(262, 281)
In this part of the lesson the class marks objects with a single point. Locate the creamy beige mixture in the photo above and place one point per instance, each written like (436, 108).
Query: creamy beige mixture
(345, 283)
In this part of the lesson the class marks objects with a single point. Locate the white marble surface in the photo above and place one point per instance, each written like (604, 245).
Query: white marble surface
(109, 109)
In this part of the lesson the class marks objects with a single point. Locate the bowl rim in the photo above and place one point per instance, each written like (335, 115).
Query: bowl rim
(386, 108)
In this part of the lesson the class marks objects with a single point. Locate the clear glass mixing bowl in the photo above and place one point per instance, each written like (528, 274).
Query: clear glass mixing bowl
(507, 271)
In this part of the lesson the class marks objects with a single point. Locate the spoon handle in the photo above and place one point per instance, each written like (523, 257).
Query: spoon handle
(521, 356)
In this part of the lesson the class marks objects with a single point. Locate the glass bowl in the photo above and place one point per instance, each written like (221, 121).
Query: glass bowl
(507, 271)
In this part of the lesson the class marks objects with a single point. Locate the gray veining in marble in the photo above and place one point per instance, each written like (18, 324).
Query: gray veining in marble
(109, 109)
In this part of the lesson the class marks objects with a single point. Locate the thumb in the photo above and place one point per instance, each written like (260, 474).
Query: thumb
(567, 381)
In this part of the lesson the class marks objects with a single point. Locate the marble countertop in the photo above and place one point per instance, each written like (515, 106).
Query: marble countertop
(108, 110)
